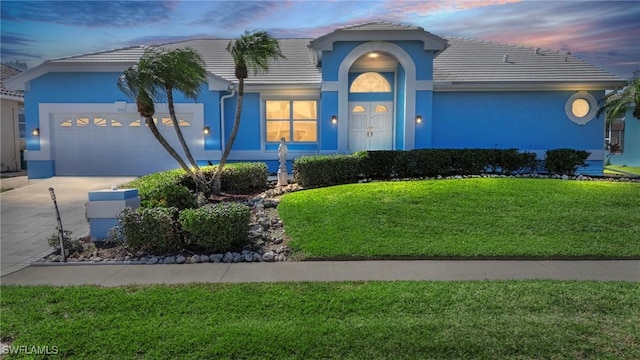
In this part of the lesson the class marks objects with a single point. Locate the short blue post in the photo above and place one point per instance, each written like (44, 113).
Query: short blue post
(103, 209)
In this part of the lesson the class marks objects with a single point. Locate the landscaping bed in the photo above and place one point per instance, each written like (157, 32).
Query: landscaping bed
(349, 320)
(266, 240)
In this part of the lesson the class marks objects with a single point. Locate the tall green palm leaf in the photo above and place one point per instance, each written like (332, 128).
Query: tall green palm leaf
(252, 51)
(156, 75)
(615, 104)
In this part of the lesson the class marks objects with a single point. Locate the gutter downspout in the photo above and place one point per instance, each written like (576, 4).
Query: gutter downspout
(232, 92)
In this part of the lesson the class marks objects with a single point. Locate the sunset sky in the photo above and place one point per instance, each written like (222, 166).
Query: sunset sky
(604, 33)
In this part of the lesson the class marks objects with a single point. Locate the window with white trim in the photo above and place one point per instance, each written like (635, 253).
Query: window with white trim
(615, 136)
(22, 125)
(293, 120)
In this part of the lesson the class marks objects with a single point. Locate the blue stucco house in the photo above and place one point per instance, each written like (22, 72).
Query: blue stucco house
(370, 86)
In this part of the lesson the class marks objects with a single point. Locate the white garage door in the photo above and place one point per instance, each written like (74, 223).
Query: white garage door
(115, 144)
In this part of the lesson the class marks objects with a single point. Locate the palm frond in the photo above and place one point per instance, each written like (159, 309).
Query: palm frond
(253, 50)
(616, 104)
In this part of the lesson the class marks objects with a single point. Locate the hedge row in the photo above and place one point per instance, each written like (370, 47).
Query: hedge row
(315, 171)
(211, 228)
(174, 188)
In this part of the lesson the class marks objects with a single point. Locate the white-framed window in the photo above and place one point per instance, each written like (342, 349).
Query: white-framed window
(615, 136)
(22, 125)
(293, 120)
(370, 82)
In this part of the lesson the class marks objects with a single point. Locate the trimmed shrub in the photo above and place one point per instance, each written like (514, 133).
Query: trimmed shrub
(170, 195)
(149, 185)
(170, 188)
(153, 230)
(467, 161)
(380, 164)
(327, 170)
(216, 227)
(509, 161)
(565, 161)
(237, 178)
(244, 178)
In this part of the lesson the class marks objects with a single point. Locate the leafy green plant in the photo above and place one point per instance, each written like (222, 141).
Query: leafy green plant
(70, 245)
(565, 161)
(170, 195)
(154, 230)
(216, 227)
(244, 178)
(162, 189)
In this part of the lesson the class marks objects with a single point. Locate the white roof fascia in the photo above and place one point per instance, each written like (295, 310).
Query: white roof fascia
(216, 83)
(284, 87)
(12, 98)
(19, 81)
(430, 41)
(525, 86)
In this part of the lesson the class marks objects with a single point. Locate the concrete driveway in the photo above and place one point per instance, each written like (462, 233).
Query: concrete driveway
(29, 218)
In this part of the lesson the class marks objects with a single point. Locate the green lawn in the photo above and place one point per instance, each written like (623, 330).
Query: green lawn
(351, 320)
(498, 217)
(621, 170)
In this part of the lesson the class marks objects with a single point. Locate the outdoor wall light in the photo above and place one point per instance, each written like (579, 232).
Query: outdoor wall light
(419, 119)
(206, 130)
(35, 132)
(334, 119)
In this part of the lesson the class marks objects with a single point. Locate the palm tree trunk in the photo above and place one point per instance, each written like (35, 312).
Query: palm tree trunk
(185, 147)
(217, 178)
(154, 130)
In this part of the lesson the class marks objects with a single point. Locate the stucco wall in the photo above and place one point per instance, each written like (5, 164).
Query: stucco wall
(523, 120)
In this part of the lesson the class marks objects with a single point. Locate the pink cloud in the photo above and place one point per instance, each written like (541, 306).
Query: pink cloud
(424, 8)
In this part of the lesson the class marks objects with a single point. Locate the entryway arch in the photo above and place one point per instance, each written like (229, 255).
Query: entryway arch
(408, 85)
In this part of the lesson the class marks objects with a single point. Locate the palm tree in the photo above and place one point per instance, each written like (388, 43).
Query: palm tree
(251, 51)
(615, 104)
(156, 75)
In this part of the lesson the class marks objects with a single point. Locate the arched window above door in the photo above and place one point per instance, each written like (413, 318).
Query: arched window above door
(370, 82)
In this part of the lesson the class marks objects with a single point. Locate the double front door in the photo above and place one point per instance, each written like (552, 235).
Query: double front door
(370, 125)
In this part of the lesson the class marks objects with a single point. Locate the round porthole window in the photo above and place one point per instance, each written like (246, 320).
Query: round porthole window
(581, 107)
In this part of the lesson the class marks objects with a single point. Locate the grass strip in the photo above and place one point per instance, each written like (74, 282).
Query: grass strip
(622, 170)
(351, 320)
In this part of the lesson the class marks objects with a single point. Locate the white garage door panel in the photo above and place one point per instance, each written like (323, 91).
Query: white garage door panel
(111, 144)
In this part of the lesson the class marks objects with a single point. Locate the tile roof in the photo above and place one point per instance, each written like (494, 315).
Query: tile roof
(298, 67)
(5, 73)
(468, 60)
(463, 61)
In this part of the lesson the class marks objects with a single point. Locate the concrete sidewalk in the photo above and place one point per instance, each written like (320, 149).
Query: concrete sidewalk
(444, 270)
